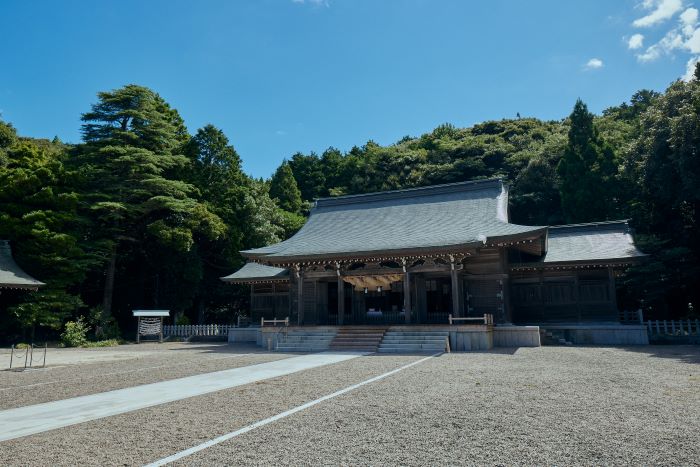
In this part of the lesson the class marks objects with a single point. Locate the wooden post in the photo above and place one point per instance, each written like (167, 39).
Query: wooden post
(455, 288)
(161, 329)
(406, 292)
(613, 291)
(341, 295)
(576, 297)
(300, 297)
(138, 331)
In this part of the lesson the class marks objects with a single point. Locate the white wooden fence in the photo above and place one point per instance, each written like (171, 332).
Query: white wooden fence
(189, 330)
(681, 327)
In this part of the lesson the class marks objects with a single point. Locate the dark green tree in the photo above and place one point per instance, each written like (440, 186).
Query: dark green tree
(132, 154)
(663, 162)
(283, 188)
(38, 214)
(309, 176)
(586, 170)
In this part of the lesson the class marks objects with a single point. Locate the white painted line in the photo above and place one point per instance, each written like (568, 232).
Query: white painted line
(274, 418)
(32, 419)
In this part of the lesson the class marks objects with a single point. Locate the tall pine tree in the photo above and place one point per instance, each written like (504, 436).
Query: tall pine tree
(133, 150)
(586, 171)
(283, 187)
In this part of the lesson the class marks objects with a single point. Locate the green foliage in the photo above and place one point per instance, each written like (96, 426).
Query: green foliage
(165, 214)
(38, 214)
(586, 170)
(132, 157)
(103, 343)
(283, 188)
(75, 333)
(182, 320)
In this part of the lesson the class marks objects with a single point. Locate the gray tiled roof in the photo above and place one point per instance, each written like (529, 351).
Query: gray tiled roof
(252, 272)
(11, 275)
(415, 219)
(594, 242)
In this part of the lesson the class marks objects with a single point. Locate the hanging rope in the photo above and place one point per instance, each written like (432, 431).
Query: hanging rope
(149, 326)
(371, 282)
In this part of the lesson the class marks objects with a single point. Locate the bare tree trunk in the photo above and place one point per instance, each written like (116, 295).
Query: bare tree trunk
(200, 310)
(109, 284)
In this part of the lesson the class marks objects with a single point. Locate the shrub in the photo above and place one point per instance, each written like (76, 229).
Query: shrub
(106, 326)
(75, 333)
(104, 343)
(182, 320)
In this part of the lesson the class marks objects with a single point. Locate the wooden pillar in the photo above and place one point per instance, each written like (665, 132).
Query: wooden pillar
(455, 288)
(508, 310)
(613, 291)
(577, 299)
(161, 329)
(138, 331)
(341, 295)
(300, 300)
(406, 292)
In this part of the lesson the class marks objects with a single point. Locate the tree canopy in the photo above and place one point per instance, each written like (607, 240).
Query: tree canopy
(142, 213)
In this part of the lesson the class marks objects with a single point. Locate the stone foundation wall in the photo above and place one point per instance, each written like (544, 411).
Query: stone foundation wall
(604, 334)
(516, 336)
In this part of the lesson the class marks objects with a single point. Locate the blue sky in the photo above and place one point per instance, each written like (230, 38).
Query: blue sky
(281, 76)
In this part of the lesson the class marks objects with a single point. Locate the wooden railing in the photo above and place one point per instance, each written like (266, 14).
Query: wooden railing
(631, 317)
(681, 327)
(486, 319)
(273, 322)
(190, 330)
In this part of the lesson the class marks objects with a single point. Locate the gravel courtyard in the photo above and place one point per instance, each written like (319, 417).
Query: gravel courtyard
(546, 405)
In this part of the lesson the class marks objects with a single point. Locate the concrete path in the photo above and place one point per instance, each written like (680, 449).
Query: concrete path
(32, 419)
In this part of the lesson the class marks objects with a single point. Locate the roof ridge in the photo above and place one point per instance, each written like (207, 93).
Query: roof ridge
(590, 224)
(408, 192)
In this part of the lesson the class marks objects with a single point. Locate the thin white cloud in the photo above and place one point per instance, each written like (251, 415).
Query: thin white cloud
(663, 10)
(690, 68)
(280, 133)
(313, 2)
(682, 36)
(689, 19)
(636, 41)
(693, 42)
(593, 64)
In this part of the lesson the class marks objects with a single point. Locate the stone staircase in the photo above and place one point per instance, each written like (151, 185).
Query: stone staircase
(364, 339)
(302, 340)
(413, 341)
(553, 337)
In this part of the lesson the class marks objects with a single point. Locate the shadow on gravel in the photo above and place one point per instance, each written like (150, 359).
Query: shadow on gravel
(222, 348)
(682, 353)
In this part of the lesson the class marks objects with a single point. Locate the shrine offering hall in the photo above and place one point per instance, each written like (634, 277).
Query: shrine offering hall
(417, 256)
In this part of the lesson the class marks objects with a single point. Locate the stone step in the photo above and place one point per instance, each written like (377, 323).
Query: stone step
(410, 344)
(304, 339)
(297, 333)
(300, 348)
(357, 336)
(357, 341)
(417, 333)
(354, 346)
(414, 338)
(408, 350)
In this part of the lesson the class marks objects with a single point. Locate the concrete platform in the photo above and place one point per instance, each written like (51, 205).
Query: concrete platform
(601, 334)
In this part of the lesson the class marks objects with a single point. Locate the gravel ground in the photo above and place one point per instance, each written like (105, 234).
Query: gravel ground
(150, 434)
(547, 405)
(81, 373)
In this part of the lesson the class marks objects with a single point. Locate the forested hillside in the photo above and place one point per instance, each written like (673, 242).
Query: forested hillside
(145, 213)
